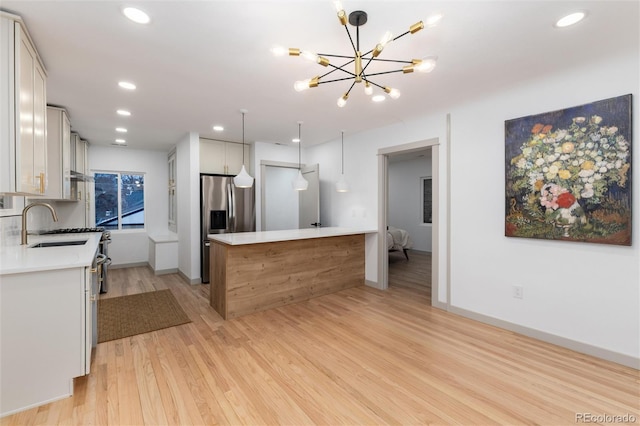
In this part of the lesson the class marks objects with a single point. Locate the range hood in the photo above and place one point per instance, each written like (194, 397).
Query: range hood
(79, 177)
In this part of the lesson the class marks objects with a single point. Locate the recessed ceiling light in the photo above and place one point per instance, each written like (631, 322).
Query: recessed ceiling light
(121, 130)
(136, 15)
(121, 141)
(570, 19)
(296, 140)
(218, 128)
(123, 112)
(127, 85)
(378, 98)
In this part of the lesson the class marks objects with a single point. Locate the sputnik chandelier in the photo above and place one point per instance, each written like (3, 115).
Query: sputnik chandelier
(360, 61)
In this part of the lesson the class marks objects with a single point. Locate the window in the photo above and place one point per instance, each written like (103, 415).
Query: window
(427, 199)
(119, 200)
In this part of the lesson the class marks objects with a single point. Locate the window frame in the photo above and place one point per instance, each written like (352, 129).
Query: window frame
(119, 193)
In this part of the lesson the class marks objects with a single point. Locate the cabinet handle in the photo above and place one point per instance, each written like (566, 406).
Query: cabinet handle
(42, 183)
(79, 195)
(93, 298)
(93, 270)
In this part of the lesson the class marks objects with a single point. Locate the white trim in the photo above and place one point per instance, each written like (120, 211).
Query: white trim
(383, 201)
(448, 227)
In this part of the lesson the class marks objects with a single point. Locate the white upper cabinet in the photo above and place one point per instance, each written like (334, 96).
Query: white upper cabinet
(23, 114)
(58, 154)
(224, 158)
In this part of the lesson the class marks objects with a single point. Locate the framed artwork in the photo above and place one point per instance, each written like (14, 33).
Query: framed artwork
(568, 174)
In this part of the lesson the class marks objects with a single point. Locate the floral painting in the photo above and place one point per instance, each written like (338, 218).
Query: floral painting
(568, 174)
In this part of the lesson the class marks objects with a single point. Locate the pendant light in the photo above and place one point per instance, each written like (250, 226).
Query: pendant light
(299, 183)
(341, 184)
(243, 180)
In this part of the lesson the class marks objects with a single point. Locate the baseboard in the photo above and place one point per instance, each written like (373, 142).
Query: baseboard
(439, 305)
(128, 265)
(373, 284)
(189, 280)
(626, 360)
(165, 271)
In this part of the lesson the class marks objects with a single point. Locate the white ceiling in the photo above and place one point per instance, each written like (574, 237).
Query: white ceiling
(199, 62)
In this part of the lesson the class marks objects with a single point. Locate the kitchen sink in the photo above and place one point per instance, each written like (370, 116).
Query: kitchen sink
(59, 243)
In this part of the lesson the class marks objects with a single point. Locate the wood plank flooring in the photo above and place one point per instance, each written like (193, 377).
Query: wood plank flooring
(414, 273)
(358, 357)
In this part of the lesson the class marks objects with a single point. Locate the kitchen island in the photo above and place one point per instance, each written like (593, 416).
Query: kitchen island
(254, 271)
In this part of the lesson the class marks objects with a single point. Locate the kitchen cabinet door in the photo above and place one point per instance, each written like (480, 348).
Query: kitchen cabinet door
(58, 154)
(23, 118)
(31, 136)
(234, 157)
(212, 156)
(42, 336)
(224, 158)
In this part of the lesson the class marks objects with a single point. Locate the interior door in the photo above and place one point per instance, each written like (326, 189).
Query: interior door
(309, 200)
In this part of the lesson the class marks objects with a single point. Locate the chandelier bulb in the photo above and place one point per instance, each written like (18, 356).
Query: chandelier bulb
(301, 85)
(368, 89)
(310, 56)
(386, 39)
(342, 101)
(393, 93)
(278, 51)
(434, 19)
(427, 64)
(338, 6)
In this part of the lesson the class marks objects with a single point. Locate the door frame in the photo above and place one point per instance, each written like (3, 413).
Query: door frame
(383, 211)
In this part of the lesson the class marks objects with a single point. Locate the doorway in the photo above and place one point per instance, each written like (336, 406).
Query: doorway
(384, 155)
(281, 206)
(409, 220)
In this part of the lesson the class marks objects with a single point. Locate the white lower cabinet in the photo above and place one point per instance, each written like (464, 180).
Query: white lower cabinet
(45, 335)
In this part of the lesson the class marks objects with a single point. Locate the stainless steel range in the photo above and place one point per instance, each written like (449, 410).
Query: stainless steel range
(103, 252)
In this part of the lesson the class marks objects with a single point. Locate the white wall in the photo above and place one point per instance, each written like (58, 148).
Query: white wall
(588, 294)
(359, 207)
(405, 202)
(132, 246)
(188, 194)
(585, 292)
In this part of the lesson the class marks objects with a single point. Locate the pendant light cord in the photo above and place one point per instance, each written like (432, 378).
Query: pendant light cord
(299, 148)
(342, 153)
(243, 138)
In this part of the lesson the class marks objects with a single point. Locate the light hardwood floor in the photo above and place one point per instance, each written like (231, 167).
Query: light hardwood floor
(360, 356)
(414, 273)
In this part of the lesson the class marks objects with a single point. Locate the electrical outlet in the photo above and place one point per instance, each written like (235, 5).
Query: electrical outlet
(518, 291)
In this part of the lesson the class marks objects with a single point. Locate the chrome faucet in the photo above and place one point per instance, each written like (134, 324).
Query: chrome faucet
(24, 232)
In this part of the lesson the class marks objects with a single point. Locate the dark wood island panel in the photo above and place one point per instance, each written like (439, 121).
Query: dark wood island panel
(253, 277)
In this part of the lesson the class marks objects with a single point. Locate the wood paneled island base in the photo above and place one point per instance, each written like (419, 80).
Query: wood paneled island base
(248, 278)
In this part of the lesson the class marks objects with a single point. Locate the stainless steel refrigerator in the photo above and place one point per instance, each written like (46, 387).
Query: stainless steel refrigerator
(224, 208)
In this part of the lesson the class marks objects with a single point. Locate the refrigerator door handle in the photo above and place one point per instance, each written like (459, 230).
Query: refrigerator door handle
(231, 210)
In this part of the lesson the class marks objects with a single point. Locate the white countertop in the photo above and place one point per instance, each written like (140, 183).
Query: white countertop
(20, 259)
(242, 238)
(164, 238)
